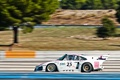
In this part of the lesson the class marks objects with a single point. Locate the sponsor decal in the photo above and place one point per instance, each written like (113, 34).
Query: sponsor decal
(96, 64)
(62, 64)
(71, 70)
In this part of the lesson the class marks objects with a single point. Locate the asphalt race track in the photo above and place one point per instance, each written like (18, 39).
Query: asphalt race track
(59, 76)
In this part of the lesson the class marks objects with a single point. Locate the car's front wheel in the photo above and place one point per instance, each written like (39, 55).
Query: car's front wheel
(86, 67)
(51, 67)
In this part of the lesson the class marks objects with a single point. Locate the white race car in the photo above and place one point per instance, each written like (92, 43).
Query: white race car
(73, 63)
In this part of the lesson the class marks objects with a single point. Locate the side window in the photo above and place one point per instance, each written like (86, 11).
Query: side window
(82, 58)
(71, 57)
(76, 58)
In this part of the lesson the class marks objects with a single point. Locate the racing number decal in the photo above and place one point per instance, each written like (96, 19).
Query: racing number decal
(69, 64)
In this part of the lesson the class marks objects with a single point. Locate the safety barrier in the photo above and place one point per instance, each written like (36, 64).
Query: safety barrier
(55, 54)
(20, 54)
(27, 60)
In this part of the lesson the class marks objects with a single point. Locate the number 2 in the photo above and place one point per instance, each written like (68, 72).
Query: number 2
(69, 64)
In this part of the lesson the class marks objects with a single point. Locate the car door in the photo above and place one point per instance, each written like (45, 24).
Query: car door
(71, 64)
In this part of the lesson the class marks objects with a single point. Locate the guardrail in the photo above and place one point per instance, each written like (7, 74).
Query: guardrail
(27, 60)
(51, 55)
(67, 25)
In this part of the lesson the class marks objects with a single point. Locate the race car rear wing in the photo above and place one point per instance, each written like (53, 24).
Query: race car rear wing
(103, 57)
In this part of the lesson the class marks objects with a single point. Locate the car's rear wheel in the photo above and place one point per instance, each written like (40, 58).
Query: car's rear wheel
(86, 67)
(51, 67)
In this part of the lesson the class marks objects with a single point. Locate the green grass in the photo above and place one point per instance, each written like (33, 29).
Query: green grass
(59, 39)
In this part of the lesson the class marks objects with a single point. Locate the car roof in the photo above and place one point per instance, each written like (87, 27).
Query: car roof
(76, 54)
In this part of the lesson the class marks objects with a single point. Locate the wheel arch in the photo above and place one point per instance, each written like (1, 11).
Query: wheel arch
(87, 63)
(49, 64)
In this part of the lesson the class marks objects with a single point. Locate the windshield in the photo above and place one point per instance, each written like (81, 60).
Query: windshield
(62, 58)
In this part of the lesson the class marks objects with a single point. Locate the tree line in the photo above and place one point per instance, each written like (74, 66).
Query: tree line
(27, 13)
(88, 4)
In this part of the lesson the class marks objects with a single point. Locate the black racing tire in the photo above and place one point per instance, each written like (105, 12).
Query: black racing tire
(51, 67)
(87, 67)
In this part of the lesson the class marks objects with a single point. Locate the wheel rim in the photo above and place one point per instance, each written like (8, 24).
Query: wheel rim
(86, 67)
(51, 68)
